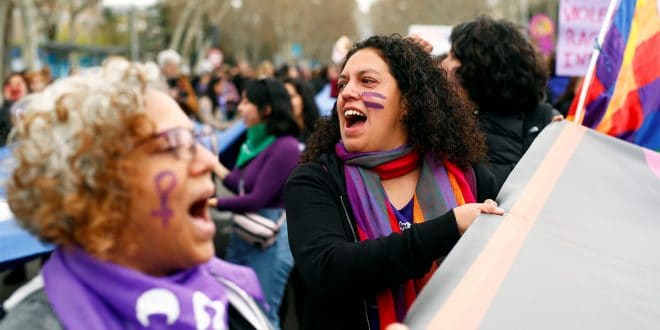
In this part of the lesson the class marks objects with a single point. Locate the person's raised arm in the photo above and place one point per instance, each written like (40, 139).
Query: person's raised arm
(423, 43)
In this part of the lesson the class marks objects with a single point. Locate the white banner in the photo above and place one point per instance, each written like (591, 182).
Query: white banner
(437, 35)
(579, 25)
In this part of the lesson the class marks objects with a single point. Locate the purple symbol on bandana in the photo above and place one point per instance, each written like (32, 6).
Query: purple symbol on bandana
(370, 100)
(165, 182)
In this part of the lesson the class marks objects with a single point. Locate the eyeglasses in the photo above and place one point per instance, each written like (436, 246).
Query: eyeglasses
(180, 141)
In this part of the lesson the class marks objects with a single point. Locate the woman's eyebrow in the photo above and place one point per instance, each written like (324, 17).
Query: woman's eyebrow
(361, 73)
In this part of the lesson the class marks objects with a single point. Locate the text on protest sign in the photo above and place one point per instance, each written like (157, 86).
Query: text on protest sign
(579, 24)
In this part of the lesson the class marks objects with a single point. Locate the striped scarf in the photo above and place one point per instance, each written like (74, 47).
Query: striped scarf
(439, 190)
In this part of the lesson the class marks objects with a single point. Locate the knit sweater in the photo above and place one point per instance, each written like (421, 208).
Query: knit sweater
(262, 179)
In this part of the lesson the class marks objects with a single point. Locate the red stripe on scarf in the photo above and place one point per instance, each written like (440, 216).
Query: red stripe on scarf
(386, 314)
(421, 282)
(398, 167)
(394, 222)
(363, 236)
(385, 300)
(467, 192)
(409, 294)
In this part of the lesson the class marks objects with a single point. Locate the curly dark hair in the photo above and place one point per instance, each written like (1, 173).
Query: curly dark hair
(439, 120)
(271, 92)
(500, 69)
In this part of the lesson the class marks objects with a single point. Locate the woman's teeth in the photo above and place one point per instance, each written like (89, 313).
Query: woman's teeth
(353, 113)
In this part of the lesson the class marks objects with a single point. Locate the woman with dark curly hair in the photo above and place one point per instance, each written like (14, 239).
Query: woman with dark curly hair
(386, 187)
(503, 75)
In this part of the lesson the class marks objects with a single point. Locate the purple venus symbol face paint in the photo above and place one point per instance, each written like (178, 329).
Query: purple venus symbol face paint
(164, 181)
(372, 100)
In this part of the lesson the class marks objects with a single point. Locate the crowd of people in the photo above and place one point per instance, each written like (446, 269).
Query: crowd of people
(367, 195)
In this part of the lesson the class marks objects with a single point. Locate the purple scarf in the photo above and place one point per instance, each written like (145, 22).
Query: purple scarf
(87, 293)
(375, 216)
(367, 196)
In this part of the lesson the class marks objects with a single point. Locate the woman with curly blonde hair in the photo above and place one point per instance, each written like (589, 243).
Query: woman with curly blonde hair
(109, 171)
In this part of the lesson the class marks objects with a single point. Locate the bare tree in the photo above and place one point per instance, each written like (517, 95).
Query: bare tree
(257, 29)
(209, 10)
(6, 8)
(394, 16)
(325, 21)
(30, 35)
(319, 24)
(76, 7)
(183, 22)
(49, 14)
(246, 31)
(267, 29)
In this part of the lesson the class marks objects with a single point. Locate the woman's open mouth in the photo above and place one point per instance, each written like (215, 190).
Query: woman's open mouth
(354, 118)
(198, 210)
(201, 218)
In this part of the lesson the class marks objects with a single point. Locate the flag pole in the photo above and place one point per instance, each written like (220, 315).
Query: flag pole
(579, 112)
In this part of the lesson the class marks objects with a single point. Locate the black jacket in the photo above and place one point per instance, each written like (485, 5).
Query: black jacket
(5, 121)
(509, 136)
(338, 271)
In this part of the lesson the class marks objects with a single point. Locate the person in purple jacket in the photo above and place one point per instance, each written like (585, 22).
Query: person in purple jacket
(264, 163)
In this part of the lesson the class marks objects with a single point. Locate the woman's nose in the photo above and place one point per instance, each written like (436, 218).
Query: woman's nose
(204, 161)
(349, 92)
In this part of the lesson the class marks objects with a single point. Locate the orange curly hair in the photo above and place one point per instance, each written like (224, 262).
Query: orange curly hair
(72, 183)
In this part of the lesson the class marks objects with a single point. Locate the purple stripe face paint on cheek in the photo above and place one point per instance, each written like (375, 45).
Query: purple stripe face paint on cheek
(374, 94)
(372, 100)
(165, 182)
(374, 105)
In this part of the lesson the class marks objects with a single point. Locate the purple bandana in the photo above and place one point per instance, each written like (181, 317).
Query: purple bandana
(87, 293)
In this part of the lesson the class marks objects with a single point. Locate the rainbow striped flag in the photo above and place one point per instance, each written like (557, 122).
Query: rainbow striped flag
(623, 98)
